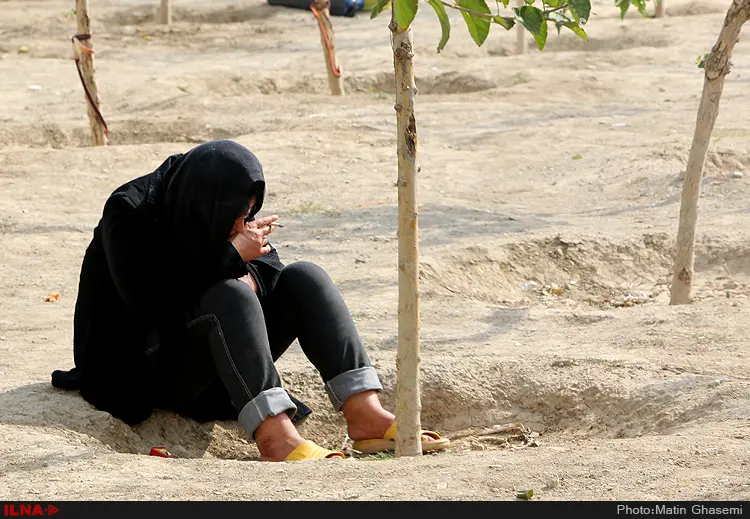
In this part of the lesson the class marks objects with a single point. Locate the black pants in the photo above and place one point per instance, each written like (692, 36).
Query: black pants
(234, 337)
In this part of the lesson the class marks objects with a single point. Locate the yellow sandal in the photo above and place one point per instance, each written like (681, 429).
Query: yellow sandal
(312, 451)
(388, 442)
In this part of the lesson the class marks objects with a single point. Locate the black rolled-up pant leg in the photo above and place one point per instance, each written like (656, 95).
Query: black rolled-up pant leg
(306, 305)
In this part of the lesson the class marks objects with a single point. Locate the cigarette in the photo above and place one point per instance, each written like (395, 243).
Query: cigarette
(277, 224)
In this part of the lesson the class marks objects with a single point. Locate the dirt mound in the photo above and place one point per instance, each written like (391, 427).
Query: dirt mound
(720, 162)
(458, 397)
(693, 8)
(598, 272)
(130, 131)
(567, 42)
(593, 271)
(444, 83)
(147, 14)
(618, 42)
(570, 399)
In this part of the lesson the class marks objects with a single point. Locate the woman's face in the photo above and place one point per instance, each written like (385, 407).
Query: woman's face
(239, 223)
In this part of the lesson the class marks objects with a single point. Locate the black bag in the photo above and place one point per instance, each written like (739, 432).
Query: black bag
(338, 7)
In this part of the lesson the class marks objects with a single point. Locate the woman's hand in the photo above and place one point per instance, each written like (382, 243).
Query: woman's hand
(251, 239)
(250, 281)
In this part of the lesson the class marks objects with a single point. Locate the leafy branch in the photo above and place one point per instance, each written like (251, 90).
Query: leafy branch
(624, 5)
(571, 14)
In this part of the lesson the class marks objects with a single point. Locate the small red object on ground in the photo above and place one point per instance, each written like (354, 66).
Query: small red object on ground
(161, 452)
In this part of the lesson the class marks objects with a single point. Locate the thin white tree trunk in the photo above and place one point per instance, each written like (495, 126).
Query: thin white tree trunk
(335, 77)
(87, 70)
(716, 67)
(521, 42)
(660, 9)
(408, 401)
(165, 15)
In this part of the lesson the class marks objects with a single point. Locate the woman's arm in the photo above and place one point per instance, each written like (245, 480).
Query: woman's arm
(265, 271)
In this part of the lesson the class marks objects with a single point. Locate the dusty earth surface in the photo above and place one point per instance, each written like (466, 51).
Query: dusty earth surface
(549, 189)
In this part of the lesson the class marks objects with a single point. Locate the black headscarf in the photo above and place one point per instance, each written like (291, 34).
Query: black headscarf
(206, 190)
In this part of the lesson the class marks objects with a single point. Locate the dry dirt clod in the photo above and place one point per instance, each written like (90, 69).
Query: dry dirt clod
(52, 297)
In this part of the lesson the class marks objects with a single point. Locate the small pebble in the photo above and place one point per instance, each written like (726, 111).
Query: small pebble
(737, 174)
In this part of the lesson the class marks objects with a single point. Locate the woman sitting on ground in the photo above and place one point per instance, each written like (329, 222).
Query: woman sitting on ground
(183, 304)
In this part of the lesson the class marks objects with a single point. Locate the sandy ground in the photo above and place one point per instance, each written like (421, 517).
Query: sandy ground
(555, 170)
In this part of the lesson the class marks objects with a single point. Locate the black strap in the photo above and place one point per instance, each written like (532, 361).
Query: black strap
(89, 97)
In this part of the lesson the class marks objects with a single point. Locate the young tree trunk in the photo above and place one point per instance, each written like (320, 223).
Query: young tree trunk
(86, 64)
(320, 9)
(165, 15)
(716, 68)
(660, 7)
(521, 42)
(408, 402)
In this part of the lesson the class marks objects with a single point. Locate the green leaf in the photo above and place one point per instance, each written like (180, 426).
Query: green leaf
(445, 23)
(504, 2)
(641, 6)
(529, 2)
(581, 9)
(541, 38)
(507, 23)
(404, 12)
(530, 17)
(533, 19)
(559, 19)
(624, 5)
(551, 3)
(382, 4)
(563, 21)
(577, 29)
(479, 27)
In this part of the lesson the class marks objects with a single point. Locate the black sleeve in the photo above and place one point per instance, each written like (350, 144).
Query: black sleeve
(148, 281)
(265, 271)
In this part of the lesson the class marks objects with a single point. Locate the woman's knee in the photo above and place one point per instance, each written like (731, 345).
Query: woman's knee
(305, 275)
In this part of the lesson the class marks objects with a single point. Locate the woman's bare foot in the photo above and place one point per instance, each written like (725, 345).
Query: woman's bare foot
(365, 417)
(277, 437)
